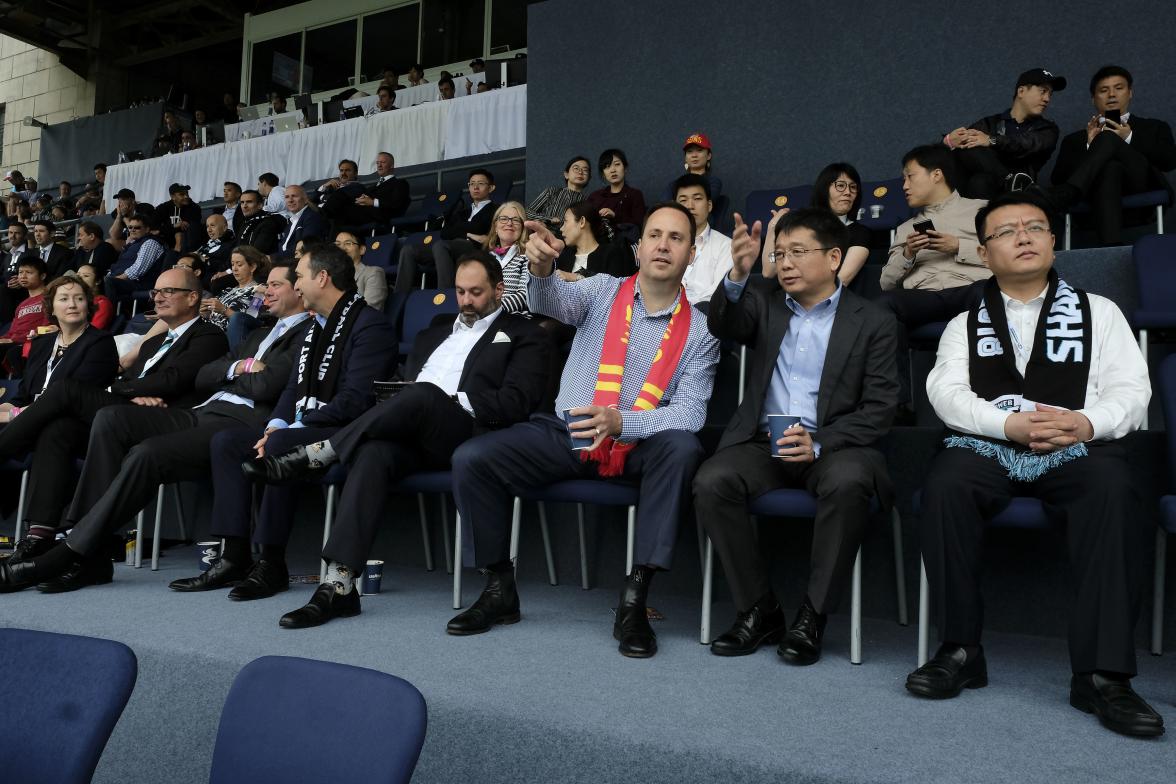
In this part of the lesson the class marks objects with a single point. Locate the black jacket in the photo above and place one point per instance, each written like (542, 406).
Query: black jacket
(1027, 151)
(264, 387)
(1153, 138)
(393, 196)
(91, 359)
(173, 377)
(262, 231)
(858, 393)
(610, 258)
(506, 373)
(102, 258)
(60, 258)
(458, 224)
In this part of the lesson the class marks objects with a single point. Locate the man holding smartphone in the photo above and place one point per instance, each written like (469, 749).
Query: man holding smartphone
(1118, 153)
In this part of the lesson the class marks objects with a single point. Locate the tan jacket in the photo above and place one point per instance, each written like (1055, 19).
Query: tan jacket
(932, 270)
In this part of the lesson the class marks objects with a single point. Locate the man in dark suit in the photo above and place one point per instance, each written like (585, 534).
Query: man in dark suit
(485, 371)
(386, 198)
(56, 427)
(349, 346)
(93, 249)
(134, 450)
(11, 293)
(1111, 158)
(231, 209)
(826, 356)
(303, 221)
(56, 257)
(260, 229)
(465, 229)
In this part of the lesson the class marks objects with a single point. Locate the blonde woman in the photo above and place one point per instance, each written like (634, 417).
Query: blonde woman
(505, 241)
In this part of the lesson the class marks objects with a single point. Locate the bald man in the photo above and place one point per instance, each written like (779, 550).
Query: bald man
(217, 251)
(305, 222)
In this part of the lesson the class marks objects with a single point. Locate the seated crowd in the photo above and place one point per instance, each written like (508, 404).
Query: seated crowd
(268, 336)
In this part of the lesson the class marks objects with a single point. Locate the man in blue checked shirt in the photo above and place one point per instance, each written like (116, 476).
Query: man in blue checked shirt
(636, 383)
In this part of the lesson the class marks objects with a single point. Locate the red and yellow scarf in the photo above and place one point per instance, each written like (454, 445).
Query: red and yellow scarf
(611, 453)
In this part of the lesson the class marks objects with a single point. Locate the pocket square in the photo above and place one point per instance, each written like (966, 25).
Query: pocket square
(501, 337)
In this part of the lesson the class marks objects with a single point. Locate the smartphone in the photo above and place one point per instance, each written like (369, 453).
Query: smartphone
(1114, 115)
(923, 227)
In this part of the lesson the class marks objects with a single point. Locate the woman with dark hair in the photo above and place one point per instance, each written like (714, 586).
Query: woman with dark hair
(249, 268)
(587, 251)
(550, 205)
(697, 156)
(71, 348)
(838, 189)
(102, 310)
(617, 203)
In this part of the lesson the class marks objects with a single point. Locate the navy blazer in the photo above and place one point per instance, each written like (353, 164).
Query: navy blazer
(311, 224)
(368, 355)
(505, 374)
(92, 359)
(173, 377)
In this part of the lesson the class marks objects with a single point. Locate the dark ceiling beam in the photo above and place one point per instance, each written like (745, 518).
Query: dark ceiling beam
(188, 45)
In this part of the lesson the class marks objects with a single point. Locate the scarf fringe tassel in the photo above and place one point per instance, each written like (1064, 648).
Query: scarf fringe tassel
(1022, 466)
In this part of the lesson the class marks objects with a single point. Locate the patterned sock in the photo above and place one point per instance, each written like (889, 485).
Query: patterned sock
(321, 454)
(341, 576)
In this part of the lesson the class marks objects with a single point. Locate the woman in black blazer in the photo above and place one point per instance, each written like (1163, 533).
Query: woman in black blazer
(75, 350)
(587, 250)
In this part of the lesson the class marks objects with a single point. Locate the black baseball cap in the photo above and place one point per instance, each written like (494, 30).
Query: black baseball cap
(1040, 76)
(125, 193)
(175, 187)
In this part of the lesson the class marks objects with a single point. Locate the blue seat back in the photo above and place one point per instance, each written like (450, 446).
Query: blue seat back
(272, 728)
(381, 251)
(421, 307)
(77, 688)
(1155, 276)
(759, 204)
(1168, 398)
(888, 195)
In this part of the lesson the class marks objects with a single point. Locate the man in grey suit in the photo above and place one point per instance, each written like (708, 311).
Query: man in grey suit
(134, 449)
(824, 355)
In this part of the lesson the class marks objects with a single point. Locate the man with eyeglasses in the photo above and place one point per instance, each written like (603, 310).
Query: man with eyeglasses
(388, 197)
(56, 427)
(1005, 151)
(465, 230)
(370, 282)
(261, 229)
(137, 263)
(1037, 384)
(303, 221)
(824, 356)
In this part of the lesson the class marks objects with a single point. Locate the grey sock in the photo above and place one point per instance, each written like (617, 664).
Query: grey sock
(341, 576)
(321, 454)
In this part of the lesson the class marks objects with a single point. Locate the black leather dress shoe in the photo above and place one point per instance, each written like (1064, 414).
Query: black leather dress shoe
(325, 604)
(17, 576)
(30, 547)
(81, 573)
(949, 672)
(802, 643)
(631, 627)
(222, 574)
(264, 580)
(1116, 705)
(499, 603)
(751, 629)
(281, 469)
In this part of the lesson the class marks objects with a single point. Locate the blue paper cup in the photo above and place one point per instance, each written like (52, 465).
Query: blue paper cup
(777, 424)
(373, 573)
(576, 443)
(210, 553)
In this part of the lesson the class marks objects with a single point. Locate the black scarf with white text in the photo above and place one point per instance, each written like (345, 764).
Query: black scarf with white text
(321, 357)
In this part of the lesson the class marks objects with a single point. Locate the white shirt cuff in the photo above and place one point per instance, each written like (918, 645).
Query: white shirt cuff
(464, 400)
(277, 424)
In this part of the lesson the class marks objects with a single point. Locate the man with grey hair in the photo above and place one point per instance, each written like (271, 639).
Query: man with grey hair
(384, 199)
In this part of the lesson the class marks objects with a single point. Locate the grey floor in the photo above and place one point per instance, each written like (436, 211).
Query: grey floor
(550, 700)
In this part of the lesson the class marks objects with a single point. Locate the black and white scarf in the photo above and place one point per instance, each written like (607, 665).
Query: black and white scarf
(1056, 372)
(321, 357)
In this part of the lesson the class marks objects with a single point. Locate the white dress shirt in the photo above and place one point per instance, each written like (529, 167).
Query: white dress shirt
(294, 218)
(173, 337)
(1117, 390)
(447, 362)
(712, 260)
(276, 201)
(275, 333)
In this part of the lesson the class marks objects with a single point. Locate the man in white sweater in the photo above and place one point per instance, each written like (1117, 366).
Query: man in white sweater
(712, 250)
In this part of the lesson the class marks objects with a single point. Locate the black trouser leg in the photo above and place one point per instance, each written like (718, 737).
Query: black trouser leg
(422, 416)
(445, 255)
(1110, 169)
(982, 173)
(664, 464)
(232, 496)
(279, 506)
(51, 476)
(408, 268)
(63, 400)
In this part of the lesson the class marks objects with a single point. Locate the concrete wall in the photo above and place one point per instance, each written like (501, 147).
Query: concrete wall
(33, 83)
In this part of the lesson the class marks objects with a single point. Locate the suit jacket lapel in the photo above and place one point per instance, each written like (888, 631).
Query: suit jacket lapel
(846, 326)
(483, 341)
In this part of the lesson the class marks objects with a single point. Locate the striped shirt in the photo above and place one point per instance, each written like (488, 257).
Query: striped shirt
(586, 305)
(515, 274)
(552, 203)
(149, 253)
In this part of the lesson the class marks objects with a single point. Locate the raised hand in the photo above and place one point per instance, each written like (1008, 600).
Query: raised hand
(745, 247)
(542, 248)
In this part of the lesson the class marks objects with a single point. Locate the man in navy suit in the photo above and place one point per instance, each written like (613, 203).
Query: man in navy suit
(386, 198)
(349, 346)
(1109, 158)
(304, 221)
(483, 371)
(133, 450)
(57, 425)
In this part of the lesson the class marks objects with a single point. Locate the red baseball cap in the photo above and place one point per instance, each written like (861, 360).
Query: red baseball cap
(699, 139)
